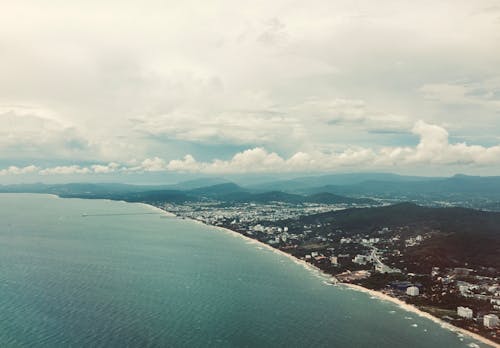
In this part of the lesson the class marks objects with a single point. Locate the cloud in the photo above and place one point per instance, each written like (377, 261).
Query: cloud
(13, 170)
(155, 164)
(65, 170)
(27, 131)
(77, 169)
(485, 93)
(187, 164)
(433, 148)
(105, 169)
(297, 125)
(337, 81)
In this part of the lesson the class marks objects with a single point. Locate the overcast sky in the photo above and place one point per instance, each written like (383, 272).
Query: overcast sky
(118, 88)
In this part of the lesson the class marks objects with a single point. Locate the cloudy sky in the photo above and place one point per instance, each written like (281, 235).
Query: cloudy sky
(112, 89)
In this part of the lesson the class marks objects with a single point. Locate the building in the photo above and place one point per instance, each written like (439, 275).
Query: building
(381, 268)
(490, 320)
(435, 271)
(361, 259)
(334, 260)
(412, 291)
(464, 312)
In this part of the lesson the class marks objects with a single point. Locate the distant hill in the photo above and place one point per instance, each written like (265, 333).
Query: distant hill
(225, 192)
(302, 184)
(483, 192)
(456, 188)
(330, 198)
(446, 219)
(467, 235)
(279, 196)
(198, 183)
(217, 190)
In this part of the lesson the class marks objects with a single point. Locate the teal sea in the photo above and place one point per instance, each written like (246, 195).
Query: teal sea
(123, 277)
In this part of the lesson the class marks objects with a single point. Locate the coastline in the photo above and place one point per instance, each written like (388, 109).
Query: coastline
(412, 309)
(378, 294)
(152, 207)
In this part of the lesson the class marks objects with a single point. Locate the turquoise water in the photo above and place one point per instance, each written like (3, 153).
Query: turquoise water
(151, 281)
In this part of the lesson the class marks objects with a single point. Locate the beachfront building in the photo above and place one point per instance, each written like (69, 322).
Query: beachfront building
(412, 291)
(490, 320)
(464, 312)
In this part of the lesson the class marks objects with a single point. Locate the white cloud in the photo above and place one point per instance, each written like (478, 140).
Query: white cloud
(485, 93)
(13, 170)
(27, 131)
(105, 169)
(433, 148)
(317, 81)
(66, 170)
(155, 164)
(187, 164)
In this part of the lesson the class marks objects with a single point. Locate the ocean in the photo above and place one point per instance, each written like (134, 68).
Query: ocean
(97, 273)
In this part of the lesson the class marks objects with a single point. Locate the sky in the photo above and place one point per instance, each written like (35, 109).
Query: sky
(119, 90)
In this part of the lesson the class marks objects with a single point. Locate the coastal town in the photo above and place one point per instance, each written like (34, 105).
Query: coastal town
(383, 259)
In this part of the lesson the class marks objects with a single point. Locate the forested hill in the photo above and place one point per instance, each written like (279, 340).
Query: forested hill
(471, 236)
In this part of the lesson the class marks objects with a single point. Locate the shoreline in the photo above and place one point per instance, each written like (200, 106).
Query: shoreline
(412, 309)
(378, 294)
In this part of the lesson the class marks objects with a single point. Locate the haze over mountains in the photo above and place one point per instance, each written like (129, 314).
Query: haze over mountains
(334, 188)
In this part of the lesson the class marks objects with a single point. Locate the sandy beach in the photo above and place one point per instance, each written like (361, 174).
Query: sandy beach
(415, 310)
(159, 210)
(379, 295)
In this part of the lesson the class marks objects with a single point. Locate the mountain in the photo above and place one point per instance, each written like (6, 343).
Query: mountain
(301, 184)
(446, 219)
(224, 192)
(217, 190)
(455, 188)
(330, 198)
(198, 183)
(276, 196)
(279, 196)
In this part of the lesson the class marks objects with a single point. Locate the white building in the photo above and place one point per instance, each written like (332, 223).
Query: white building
(381, 268)
(490, 320)
(334, 260)
(464, 312)
(412, 291)
(361, 259)
(258, 228)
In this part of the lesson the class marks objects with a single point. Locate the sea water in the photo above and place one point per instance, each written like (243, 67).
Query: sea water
(97, 273)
